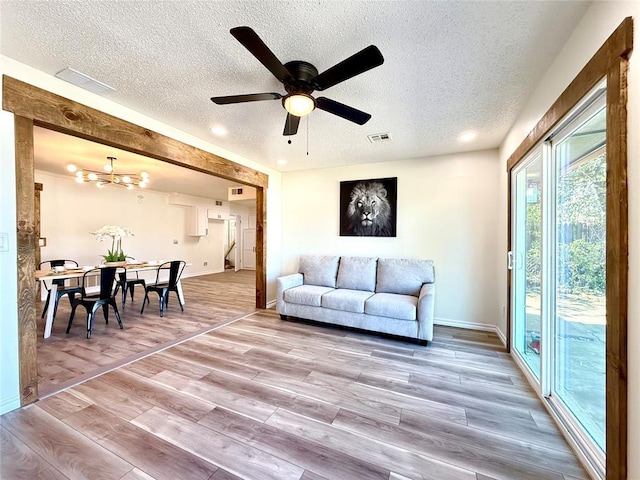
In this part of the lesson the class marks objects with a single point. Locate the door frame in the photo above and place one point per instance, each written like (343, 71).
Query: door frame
(33, 106)
(610, 62)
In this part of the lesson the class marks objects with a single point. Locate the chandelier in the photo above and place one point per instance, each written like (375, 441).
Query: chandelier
(109, 176)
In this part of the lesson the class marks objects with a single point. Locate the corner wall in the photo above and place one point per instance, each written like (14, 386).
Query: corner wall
(600, 20)
(447, 211)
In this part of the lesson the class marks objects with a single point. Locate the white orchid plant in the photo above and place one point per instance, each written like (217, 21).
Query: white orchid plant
(115, 233)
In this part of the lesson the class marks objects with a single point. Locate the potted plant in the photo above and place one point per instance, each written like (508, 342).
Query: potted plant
(115, 255)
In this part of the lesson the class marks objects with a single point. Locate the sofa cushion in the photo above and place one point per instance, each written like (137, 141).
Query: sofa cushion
(357, 273)
(319, 270)
(402, 307)
(306, 295)
(346, 300)
(403, 276)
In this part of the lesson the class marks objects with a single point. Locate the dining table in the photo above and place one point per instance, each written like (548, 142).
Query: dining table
(71, 273)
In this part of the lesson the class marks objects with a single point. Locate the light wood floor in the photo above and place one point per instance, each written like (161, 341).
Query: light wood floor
(261, 398)
(210, 300)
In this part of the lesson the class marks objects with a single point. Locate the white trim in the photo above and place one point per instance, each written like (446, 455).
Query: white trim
(447, 322)
(9, 404)
(271, 304)
(501, 336)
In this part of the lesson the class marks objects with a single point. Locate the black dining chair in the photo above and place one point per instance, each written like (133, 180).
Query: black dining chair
(128, 285)
(103, 299)
(61, 287)
(162, 288)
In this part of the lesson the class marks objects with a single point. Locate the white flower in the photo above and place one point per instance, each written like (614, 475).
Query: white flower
(112, 231)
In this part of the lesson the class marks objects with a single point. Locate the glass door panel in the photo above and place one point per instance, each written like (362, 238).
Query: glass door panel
(526, 273)
(579, 297)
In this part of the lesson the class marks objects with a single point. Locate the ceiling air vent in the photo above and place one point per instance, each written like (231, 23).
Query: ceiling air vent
(379, 137)
(84, 81)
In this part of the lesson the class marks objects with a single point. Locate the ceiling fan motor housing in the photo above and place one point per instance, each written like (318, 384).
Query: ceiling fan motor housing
(302, 73)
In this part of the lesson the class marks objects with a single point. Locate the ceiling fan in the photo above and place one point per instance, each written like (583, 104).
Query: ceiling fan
(300, 79)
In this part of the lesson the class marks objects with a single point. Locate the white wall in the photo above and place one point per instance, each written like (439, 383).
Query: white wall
(599, 22)
(9, 376)
(447, 211)
(70, 211)
(9, 380)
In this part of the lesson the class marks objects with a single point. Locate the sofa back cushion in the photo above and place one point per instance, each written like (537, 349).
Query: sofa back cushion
(403, 275)
(357, 273)
(320, 270)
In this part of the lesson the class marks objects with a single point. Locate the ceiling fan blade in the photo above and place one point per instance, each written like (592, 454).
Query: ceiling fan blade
(342, 110)
(356, 64)
(250, 97)
(291, 125)
(252, 42)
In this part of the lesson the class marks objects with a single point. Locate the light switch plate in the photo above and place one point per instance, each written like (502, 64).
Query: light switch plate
(4, 242)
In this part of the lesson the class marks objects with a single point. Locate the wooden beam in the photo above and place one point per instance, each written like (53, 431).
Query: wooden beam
(63, 115)
(617, 271)
(26, 244)
(37, 219)
(261, 248)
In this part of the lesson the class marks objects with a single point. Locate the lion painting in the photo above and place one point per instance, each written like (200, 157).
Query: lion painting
(369, 212)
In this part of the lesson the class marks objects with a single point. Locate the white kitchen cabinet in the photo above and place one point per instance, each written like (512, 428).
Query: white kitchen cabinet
(220, 211)
(197, 222)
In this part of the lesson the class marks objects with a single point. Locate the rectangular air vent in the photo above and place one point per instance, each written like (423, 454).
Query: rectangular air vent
(236, 191)
(218, 203)
(379, 137)
(84, 81)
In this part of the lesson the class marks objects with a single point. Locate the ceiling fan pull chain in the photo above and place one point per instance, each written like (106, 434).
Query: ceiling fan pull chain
(307, 135)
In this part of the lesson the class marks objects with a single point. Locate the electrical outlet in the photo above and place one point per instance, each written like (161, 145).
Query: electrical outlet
(206, 263)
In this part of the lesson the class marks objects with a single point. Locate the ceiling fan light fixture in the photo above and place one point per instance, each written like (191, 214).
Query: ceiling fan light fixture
(299, 104)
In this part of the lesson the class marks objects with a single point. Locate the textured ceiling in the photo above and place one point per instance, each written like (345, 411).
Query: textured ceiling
(53, 151)
(449, 67)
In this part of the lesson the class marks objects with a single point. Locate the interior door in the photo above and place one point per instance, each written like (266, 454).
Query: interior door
(249, 248)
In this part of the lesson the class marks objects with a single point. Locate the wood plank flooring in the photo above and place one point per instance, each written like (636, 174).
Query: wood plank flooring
(210, 300)
(260, 398)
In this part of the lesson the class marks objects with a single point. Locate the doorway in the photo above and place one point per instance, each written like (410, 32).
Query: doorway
(33, 106)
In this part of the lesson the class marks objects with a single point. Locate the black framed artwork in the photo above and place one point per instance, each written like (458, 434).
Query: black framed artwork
(368, 207)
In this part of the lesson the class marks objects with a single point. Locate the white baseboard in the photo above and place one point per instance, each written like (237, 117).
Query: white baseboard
(9, 404)
(483, 327)
(271, 304)
(200, 273)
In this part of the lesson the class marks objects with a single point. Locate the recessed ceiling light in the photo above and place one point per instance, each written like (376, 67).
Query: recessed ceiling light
(220, 131)
(467, 136)
(281, 162)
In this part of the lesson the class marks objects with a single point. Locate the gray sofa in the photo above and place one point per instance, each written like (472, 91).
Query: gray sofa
(388, 295)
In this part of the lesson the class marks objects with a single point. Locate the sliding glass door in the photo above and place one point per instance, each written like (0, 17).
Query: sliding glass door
(526, 260)
(579, 299)
(558, 267)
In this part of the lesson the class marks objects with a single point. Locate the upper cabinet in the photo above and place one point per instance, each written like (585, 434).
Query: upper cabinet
(197, 222)
(220, 211)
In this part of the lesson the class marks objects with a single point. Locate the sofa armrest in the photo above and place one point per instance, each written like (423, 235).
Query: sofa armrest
(285, 283)
(426, 302)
